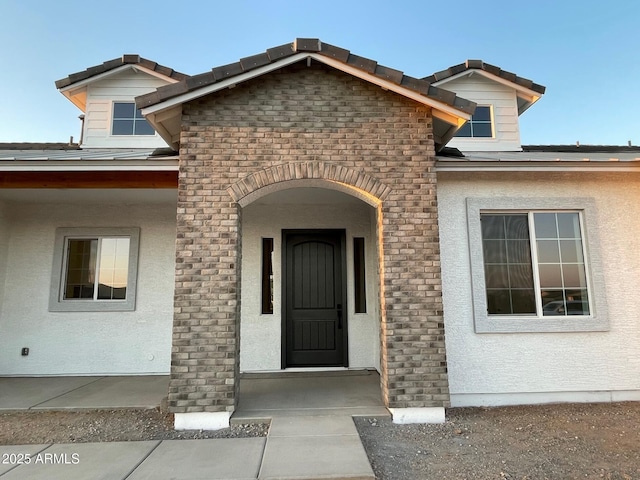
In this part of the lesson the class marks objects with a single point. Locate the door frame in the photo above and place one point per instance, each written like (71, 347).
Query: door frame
(342, 233)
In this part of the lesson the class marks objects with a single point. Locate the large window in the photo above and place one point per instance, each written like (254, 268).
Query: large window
(128, 120)
(480, 125)
(534, 264)
(94, 269)
(530, 267)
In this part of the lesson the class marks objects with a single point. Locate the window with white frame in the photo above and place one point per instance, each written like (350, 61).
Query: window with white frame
(530, 268)
(94, 269)
(480, 125)
(128, 120)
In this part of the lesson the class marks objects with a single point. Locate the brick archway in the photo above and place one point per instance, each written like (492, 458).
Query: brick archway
(321, 174)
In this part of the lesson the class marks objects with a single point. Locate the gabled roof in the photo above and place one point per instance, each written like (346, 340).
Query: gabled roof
(450, 111)
(74, 87)
(310, 45)
(116, 63)
(528, 92)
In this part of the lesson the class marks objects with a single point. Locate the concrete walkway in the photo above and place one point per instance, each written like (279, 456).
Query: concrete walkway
(312, 434)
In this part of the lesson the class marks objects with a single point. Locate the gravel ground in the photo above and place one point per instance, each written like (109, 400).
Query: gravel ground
(33, 427)
(568, 441)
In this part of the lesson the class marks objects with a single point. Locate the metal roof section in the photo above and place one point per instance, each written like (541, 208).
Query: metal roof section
(161, 107)
(90, 159)
(542, 158)
(528, 91)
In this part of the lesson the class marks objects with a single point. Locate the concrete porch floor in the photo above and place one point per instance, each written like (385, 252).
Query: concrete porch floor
(262, 395)
(311, 436)
(343, 392)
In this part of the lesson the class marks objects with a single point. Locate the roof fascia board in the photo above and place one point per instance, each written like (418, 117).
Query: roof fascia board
(230, 82)
(537, 166)
(523, 92)
(115, 71)
(170, 164)
(444, 112)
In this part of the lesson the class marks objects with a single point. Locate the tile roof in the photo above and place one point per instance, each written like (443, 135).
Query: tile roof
(311, 45)
(480, 65)
(118, 62)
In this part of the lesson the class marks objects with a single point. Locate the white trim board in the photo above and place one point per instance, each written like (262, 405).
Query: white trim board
(540, 398)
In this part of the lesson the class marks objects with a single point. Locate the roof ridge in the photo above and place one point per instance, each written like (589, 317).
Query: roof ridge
(300, 45)
(127, 59)
(487, 67)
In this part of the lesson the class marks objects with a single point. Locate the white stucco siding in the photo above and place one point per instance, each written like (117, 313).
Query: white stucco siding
(504, 105)
(87, 343)
(543, 366)
(4, 245)
(261, 334)
(121, 87)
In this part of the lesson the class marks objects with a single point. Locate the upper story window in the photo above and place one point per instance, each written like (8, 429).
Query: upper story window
(128, 120)
(480, 125)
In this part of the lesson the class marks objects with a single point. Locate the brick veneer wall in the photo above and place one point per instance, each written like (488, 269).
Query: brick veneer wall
(313, 118)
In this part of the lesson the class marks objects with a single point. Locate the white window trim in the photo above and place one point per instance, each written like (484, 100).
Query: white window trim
(493, 127)
(112, 118)
(596, 321)
(56, 301)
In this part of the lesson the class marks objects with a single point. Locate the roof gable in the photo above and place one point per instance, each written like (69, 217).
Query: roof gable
(527, 91)
(110, 65)
(75, 86)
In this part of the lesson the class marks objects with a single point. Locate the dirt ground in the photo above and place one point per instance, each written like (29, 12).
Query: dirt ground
(570, 441)
(34, 427)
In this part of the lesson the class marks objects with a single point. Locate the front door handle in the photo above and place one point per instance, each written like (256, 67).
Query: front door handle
(339, 306)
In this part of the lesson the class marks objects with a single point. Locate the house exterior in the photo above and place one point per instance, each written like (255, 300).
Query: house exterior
(307, 208)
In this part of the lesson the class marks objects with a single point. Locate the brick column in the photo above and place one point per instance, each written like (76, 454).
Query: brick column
(205, 360)
(413, 358)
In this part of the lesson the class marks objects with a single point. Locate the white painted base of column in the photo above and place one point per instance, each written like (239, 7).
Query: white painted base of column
(201, 420)
(418, 415)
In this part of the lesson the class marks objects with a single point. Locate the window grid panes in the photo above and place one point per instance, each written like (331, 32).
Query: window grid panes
(128, 120)
(534, 264)
(480, 125)
(103, 259)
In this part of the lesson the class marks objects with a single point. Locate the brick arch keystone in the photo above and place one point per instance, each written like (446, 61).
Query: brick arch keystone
(307, 174)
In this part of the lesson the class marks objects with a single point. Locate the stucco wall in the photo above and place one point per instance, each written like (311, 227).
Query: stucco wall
(4, 243)
(96, 343)
(261, 334)
(540, 367)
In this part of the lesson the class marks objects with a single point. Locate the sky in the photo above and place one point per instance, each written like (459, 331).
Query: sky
(586, 53)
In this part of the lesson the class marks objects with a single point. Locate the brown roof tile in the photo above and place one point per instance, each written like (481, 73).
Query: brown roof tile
(118, 62)
(313, 45)
(480, 65)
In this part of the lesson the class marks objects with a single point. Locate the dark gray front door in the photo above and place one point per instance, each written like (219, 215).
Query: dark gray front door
(314, 317)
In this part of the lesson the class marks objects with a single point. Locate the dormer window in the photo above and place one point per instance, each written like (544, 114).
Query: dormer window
(480, 125)
(128, 120)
